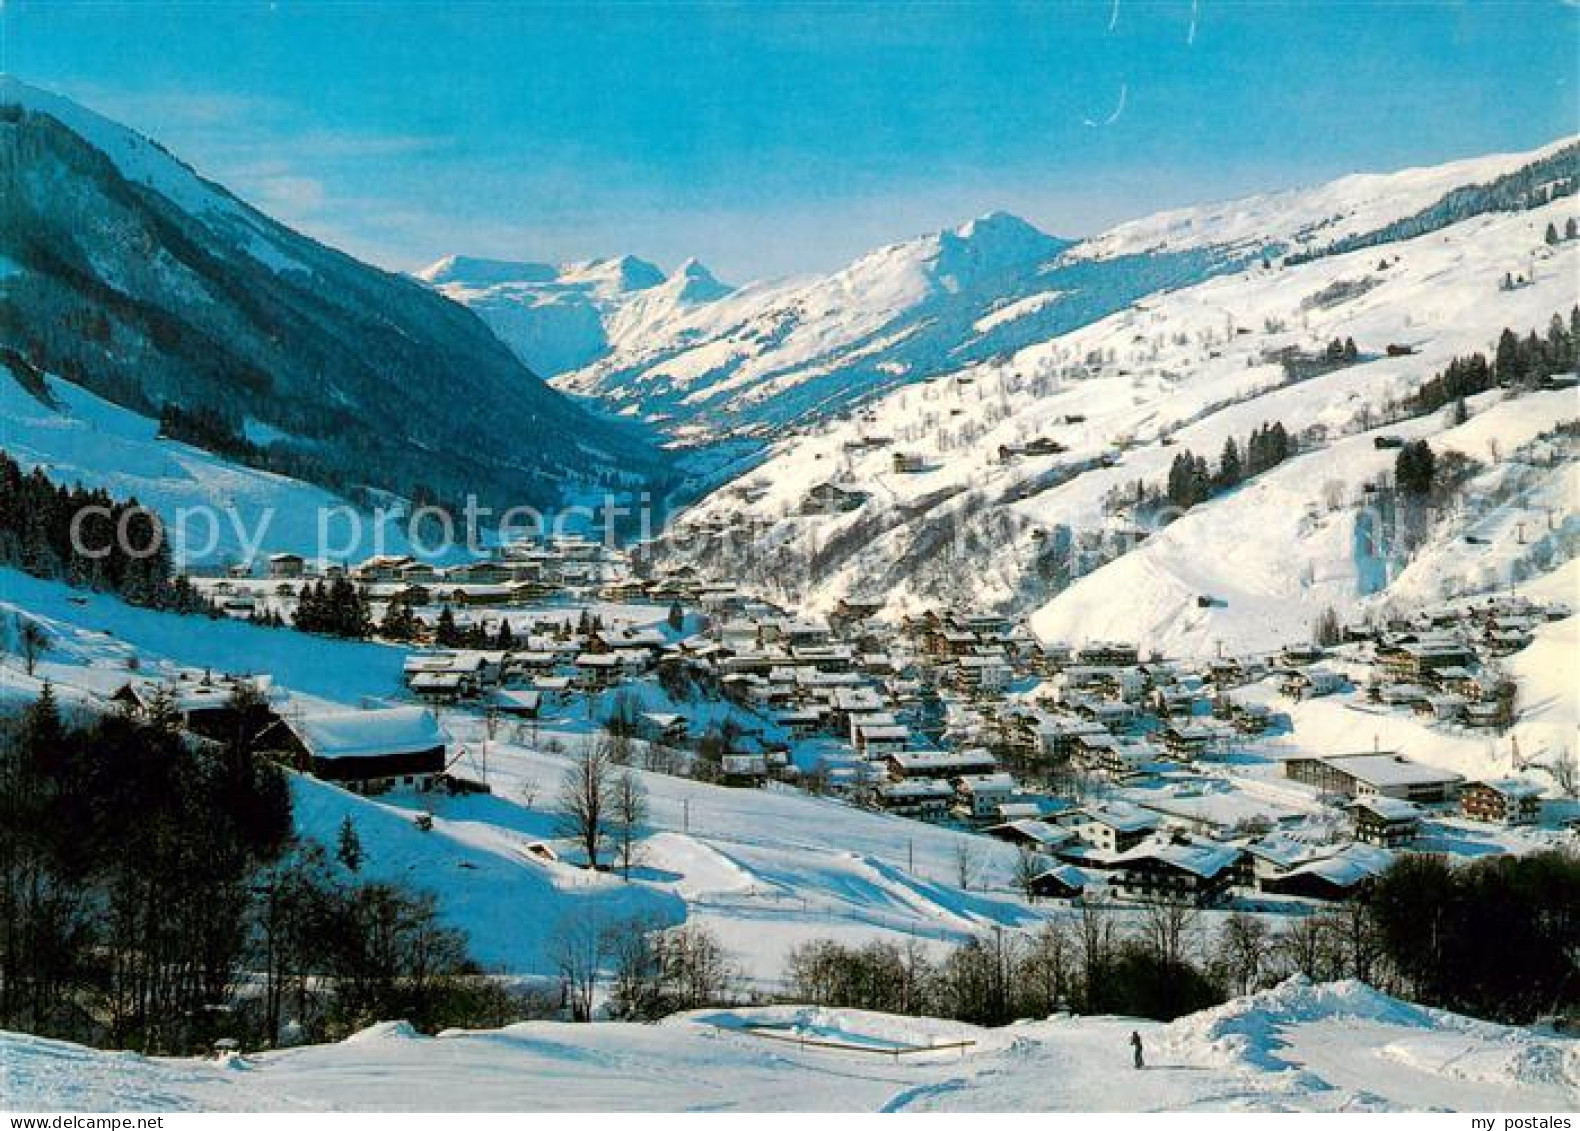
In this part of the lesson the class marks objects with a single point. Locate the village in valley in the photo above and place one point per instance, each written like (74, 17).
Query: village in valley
(1116, 775)
(1123, 658)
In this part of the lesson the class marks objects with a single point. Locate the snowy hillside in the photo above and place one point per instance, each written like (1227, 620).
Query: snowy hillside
(1003, 484)
(76, 437)
(1306, 218)
(131, 276)
(1299, 1047)
(800, 350)
(558, 318)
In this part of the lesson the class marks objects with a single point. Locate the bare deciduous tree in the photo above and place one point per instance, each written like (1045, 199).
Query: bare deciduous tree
(577, 946)
(586, 793)
(629, 813)
(1242, 949)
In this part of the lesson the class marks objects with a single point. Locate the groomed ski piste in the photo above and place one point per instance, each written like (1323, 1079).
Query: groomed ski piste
(1334, 1047)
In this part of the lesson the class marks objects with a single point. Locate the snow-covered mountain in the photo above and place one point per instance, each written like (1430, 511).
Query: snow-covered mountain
(1331, 1047)
(793, 352)
(128, 274)
(770, 354)
(559, 318)
(1016, 470)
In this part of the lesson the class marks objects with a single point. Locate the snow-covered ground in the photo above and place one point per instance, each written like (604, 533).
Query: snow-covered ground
(214, 510)
(1189, 369)
(1299, 1047)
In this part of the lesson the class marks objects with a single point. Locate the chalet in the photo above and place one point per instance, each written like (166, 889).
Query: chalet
(286, 566)
(881, 740)
(1115, 827)
(1460, 681)
(1026, 832)
(1059, 738)
(1374, 775)
(440, 686)
(381, 567)
(1059, 882)
(1385, 821)
(926, 799)
(800, 722)
(417, 573)
(1299, 655)
(981, 795)
(597, 670)
(982, 673)
(518, 704)
(743, 771)
(908, 463)
(1443, 707)
(1108, 654)
(1311, 682)
(367, 751)
(1249, 717)
(1188, 741)
(905, 765)
(206, 706)
(1331, 877)
(830, 498)
(1504, 801)
(1180, 870)
(1415, 661)
(669, 729)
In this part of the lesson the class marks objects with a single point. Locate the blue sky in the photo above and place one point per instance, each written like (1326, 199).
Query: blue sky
(771, 138)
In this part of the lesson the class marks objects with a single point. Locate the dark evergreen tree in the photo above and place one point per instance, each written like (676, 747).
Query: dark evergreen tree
(445, 633)
(1415, 469)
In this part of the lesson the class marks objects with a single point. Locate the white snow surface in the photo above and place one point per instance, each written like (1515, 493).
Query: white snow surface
(1333, 1047)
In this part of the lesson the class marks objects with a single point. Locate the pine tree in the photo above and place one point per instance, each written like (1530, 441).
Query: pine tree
(445, 634)
(1415, 469)
(348, 849)
(400, 623)
(1229, 471)
(504, 639)
(677, 617)
(1552, 234)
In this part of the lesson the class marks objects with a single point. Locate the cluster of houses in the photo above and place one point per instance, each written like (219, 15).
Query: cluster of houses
(517, 573)
(1440, 664)
(951, 716)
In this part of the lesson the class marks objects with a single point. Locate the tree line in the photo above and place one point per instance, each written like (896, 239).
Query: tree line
(146, 876)
(1192, 480)
(1494, 938)
(88, 539)
(1516, 362)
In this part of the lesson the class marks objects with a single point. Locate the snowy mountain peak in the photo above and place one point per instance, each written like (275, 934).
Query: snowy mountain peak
(993, 243)
(695, 283)
(623, 274)
(476, 271)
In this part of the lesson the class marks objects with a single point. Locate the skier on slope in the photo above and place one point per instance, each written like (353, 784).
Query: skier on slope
(1135, 1045)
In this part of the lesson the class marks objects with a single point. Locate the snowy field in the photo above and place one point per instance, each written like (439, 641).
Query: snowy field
(1339, 1047)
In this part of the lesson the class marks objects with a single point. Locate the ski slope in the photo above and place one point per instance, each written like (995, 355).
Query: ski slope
(1298, 1047)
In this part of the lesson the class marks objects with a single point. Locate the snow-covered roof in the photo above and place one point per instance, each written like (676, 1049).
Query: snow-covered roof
(369, 734)
(1389, 808)
(1200, 858)
(1121, 817)
(1384, 770)
(1511, 787)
